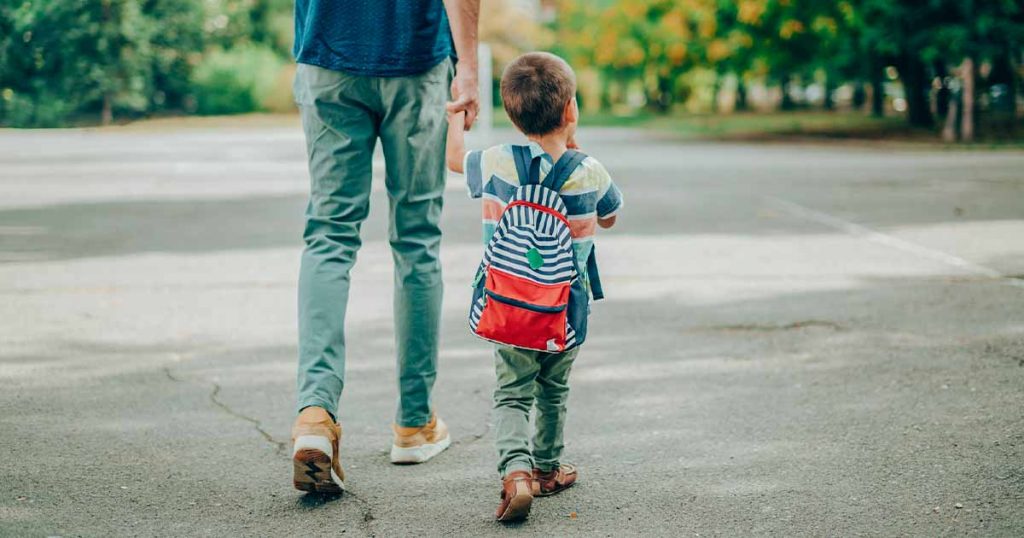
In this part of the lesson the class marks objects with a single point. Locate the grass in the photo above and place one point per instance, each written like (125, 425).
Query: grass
(804, 126)
(706, 125)
(766, 126)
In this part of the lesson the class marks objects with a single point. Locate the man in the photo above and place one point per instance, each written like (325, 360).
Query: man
(372, 69)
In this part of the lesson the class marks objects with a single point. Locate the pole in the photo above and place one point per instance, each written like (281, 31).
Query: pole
(485, 120)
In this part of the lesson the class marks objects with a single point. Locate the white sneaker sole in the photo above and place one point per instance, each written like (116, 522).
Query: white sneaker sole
(419, 454)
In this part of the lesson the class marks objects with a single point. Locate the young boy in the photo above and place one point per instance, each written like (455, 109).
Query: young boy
(538, 90)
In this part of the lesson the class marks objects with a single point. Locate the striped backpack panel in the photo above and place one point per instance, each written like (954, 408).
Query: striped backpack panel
(528, 292)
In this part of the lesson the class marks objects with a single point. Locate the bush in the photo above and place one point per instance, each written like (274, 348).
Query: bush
(44, 109)
(62, 59)
(238, 80)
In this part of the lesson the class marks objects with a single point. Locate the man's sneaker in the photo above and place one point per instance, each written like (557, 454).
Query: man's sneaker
(417, 445)
(554, 481)
(516, 496)
(315, 439)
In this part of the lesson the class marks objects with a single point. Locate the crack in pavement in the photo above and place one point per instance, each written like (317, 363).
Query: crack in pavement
(367, 509)
(314, 500)
(281, 447)
(171, 376)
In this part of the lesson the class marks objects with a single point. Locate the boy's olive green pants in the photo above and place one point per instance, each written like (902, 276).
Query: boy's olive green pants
(343, 115)
(527, 378)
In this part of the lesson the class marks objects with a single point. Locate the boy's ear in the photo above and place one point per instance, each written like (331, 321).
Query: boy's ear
(571, 114)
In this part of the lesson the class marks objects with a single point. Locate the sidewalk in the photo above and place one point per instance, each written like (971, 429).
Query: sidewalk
(798, 340)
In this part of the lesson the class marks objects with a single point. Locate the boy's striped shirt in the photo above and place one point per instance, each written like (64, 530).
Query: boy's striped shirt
(588, 194)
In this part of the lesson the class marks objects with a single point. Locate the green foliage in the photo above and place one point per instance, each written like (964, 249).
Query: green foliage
(63, 59)
(651, 43)
(237, 80)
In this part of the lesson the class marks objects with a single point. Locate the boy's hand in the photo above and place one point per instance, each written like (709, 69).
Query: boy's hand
(571, 143)
(457, 120)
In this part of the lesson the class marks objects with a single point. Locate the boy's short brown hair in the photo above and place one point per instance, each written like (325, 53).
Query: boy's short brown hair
(535, 88)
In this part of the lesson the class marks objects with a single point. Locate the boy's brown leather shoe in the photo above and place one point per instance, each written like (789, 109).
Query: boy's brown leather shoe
(554, 481)
(516, 496)
(315, 461)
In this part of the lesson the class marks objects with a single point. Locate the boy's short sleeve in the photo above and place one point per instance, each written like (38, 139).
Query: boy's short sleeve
(473, 168)
(609, 197)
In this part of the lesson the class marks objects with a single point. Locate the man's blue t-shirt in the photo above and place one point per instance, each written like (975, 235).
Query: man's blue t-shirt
(381, 38)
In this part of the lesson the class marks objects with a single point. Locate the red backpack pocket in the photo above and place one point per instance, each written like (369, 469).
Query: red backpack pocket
(522, 313)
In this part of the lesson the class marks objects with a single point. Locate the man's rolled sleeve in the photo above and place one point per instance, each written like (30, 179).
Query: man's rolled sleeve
(472, 167)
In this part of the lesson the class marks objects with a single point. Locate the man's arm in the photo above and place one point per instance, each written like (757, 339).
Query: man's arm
(464, 17)
(455, 152)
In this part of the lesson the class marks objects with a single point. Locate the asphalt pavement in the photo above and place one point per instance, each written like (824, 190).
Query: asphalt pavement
(798, 340)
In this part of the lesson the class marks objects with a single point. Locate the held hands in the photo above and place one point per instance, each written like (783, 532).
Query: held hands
(465, 95)
(457, 125)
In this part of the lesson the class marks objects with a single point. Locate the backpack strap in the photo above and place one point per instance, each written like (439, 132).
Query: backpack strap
(564, 168)
(556, 178)
(527, 166)
(592, 274)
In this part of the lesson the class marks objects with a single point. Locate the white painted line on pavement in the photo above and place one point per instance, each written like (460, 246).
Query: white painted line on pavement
(21, 230)
(890, 241)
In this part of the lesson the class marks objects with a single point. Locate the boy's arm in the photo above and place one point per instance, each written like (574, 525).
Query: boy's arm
(455, 154)
(459, 159)
(604, 222)
(611, 199)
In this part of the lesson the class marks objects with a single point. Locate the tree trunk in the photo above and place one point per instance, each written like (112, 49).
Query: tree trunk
(877, 93)
(716, 89)
(660, 98)
(967, 121)
(606, 91)
(787, 100)
(741, 94)
(915, 86)
(943, 95)
(949, 129)
(107, 115)
(860, 97)
(1014, 87)
(828, 103)
(1004, 102)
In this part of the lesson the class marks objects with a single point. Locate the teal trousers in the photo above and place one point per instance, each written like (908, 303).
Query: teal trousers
(343, 116)
(526, 379)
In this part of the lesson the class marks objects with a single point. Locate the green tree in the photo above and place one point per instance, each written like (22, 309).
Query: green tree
(650, 42)
(61, 59)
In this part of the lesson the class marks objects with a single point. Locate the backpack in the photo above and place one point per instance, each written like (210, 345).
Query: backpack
(528, 292)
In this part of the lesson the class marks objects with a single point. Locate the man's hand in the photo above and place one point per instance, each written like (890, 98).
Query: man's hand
(465, 93)
(464, 17)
